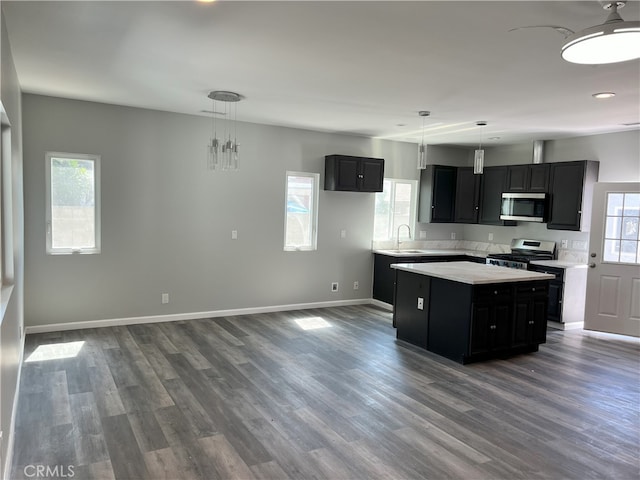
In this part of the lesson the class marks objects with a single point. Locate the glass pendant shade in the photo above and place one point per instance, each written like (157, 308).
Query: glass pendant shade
(422, 156)
(422, 148)
(478, 162)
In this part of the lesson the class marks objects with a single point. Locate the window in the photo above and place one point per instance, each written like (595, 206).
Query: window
(301, 211)
(395, 205)
(622, 235)
(73, 203)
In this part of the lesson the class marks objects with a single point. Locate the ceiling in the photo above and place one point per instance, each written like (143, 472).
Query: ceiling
(363, 68)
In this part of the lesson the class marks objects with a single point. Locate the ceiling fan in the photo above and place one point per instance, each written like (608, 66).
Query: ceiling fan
(613, 41)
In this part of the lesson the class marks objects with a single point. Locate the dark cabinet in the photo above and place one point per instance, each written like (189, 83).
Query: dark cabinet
(491, 320)
(411, 311)
(530, 314)
(556, 288)
(437, 194)
(492, 184)
(571, 194)
(384, 276)
(467, 199)
(528, 178)
(353, 174)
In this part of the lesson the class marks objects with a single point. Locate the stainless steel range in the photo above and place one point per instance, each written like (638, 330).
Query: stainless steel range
(522, 252)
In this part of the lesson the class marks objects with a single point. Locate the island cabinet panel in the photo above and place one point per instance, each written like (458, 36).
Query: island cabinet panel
(530, 314)
(449, 314)
(468, 323)
(491, 321)
(411, 317)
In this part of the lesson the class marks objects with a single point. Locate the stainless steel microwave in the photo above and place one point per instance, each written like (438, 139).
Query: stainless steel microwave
(524, 207)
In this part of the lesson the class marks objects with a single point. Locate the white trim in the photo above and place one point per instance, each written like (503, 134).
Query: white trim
(381, 304)
(112, 322)
(315, 205)
(10, 432)
(97, 248)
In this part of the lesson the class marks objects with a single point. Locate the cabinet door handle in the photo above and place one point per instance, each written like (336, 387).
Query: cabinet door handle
(495, 292)
(533, 289)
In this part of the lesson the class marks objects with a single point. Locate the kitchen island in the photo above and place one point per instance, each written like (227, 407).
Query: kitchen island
(469, 312)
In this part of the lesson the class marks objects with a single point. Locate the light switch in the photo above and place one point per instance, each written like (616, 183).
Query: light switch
(343, 234)
(234, 234)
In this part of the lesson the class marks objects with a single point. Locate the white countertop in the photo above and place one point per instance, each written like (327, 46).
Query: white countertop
(558, 264)
(472, 273)
(431, 253)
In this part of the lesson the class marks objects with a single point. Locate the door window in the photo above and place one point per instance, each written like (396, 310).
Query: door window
(622, 237)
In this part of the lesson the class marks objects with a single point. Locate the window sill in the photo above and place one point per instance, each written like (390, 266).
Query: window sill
(5, 296)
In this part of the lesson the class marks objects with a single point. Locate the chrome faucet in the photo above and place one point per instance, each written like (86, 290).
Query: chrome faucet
(398, 234)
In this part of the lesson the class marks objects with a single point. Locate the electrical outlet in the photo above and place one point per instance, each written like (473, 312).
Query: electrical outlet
(565, 243)
(356, 285)
(491, 237)
(423, 234)
(343, 234)
(453, 235)
(334, 286)
(420, 303)
(165, 298)
(234, 234)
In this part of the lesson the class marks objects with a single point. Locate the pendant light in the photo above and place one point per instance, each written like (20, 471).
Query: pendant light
(222, 154)
(478, 157)
(613, 41)
(422, 148)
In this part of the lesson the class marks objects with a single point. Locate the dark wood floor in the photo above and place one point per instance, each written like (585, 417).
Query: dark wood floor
(259, 397)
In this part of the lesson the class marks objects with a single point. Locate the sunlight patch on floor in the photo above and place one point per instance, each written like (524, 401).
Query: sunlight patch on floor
(55, 351)
(312, 323)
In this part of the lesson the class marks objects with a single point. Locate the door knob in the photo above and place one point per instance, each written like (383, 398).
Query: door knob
(592, 265)
(593, 255)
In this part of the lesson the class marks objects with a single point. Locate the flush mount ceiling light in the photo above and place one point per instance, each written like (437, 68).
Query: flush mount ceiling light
(223, 155)
(601, 95)
(478, 157)
(422, 148)
(613, 41)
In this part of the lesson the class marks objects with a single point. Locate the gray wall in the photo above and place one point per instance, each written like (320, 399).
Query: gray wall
(12, 290)
(619, 157)
(167, 221)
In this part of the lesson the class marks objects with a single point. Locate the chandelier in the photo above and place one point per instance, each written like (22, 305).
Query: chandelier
(222, 153)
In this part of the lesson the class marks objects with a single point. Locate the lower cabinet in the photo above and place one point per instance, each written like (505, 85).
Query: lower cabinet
(384, 276)
(530, 315)
(491, 320)
(467, 323)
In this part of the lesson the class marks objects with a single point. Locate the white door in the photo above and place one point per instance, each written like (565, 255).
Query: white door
(613, 282)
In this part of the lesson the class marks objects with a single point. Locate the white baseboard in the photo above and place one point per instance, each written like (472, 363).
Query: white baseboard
(111, 322)
(385, 305)
(8, 461)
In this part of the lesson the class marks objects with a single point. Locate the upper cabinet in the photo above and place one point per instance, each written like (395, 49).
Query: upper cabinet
(353, 174)
(492, 184)
(437, 194)
(571, 194)
(467, 200)
(528, 178)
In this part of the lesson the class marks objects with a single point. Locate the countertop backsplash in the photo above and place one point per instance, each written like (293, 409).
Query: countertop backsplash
(565, 255)
(441, 245)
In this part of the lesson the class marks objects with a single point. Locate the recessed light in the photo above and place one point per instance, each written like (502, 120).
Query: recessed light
(493, 138)
(600, 95)
(401, 124)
